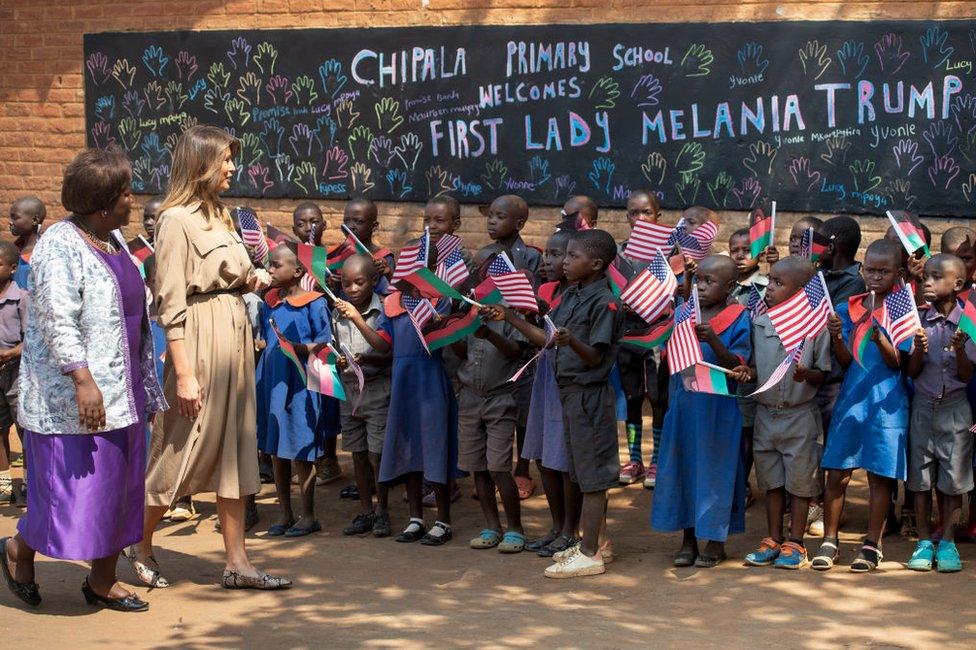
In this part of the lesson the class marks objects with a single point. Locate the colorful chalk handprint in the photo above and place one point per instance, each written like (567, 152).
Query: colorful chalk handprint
(852, 59)
(98, 68)
(941, 138)
(239, 53)
(438, 183)
(388, 118)
(360, 179)
(334, 164)
(906, 155)
(687, 188)
(601, 174)
(891, 57)
(646, 91)
(690, 158)
(155, 60)
(399, 183)
(747, 193)
(752, 63)
(186, 65)
(539, 171)
(654, 168)
(899, 192)
(943, 171)
(697, 61)
(814, 59)
(408, 151)
(265, 58)
(333, 80)
(862, 173)
(935, 48)
(719, 188)
(604, 93)
(803, 174)
(495, 174)
(760, 158)
(124, 73)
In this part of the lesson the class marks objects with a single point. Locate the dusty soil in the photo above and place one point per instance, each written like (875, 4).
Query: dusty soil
(353, 592)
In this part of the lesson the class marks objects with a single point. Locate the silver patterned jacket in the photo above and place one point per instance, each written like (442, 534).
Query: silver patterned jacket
(76, 321)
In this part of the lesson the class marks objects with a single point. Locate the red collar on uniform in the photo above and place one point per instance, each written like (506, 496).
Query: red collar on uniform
(392, 306)
(724, 319)
(548, 291)
(856, 309)
(272, 297)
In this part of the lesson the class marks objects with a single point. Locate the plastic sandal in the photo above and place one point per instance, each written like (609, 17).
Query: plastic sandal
(295, 531)
(862, 564)
(486, 539)
(512, 542)
(526, 487)
(538, 543)
(824, 559)
(278, 530)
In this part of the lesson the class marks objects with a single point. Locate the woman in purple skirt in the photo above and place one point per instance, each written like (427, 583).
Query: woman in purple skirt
(87, 382)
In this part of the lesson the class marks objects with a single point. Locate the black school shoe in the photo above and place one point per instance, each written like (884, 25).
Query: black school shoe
(561, 543)
(381, 525)
(438, 540)
(362, 524)
(409, 536)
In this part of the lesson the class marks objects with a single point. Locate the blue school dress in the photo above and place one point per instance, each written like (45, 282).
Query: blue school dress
(293, 421)
(869, 428)
(701, 479)
(22, 273)
(421, 428)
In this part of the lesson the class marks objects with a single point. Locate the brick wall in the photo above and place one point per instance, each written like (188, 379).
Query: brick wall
(41, 82)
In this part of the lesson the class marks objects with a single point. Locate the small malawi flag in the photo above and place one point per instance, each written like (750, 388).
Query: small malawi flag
(704, 377)
(340, 253)
(909, 231)
(617, 280)
(967, 321)
(761, 228)
(279, 236)
(861, 339)
(289, 351)
(323, 373)
(315, 261)
(813, 245)
(487, 293)
(654, 338)
(454, 328)
(140, 249)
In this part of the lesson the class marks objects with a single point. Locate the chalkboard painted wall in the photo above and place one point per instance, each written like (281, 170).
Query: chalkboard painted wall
(821, 116)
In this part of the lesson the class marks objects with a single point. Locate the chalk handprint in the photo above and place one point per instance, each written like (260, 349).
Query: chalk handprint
(359, 141)
(687, 188)
(388, 118)
(334, 164)
(604, 93)
(236, 111)
(359, 178)
(852, 59)
(968, 186)
(124, 73)
(306, 177)
(814, 59)
(153, 93)
(539, 171)
(170, 145)
(697, 61)
(214, 100)
(564, 187)
(218, 76)
(890, 55)
(941, 138)
(332, 78)
(837, 147)
(601, 174)
(153, 148)
(129, 133)
(186, 65)
(719, 188)
(495, 174)
(968, 145)
(326, 128)
(654, 168)
(98, 68)
(690, 158)
(862, 173)
(251, 150)
(964, 113)
(133, 103)
(141, 172)
(265, 58)
(258, 177)
(175, 95)
(935, 48)
(101, 135)
(155, 60)
(239, 53)
(105, 107)
(304, 89)
(747, 193)
(943, 171)
(346, 113)
(249, 89)
(278, 90)
(284, 167)
(760, 158)
(899, 192)
(438, 182)
(803, 175)
(751, 60)
(302, 140)
(399, 183)
(409, 150)
(381, 150)
(646, 91)
(158, 176)
(907, 157)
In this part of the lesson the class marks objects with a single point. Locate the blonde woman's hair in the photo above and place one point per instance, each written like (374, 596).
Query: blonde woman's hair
(197, 161)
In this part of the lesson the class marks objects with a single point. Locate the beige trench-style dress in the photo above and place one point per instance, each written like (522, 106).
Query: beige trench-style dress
(202, 273)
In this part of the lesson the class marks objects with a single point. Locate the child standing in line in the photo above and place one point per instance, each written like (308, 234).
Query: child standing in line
(701, 481)
(307, 223)
(363, 431)
(800, 226)
(150, 213)
(940, 443)
(26, 216)
(869, 429)
(589, 321)
(788, 427)
(289, 414)
(14, 303)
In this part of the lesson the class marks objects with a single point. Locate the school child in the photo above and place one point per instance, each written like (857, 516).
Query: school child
(787, 427)
(701, 479)
(589, 321)
(14, 304)
(800, 226)
(914, 264)
(940, 443)
(26, 216)
(364, 429)
(307, 223)
(360, 217)
(869, 428)
(290, 416)
(579, 213)
(442, 216)
(684, 267)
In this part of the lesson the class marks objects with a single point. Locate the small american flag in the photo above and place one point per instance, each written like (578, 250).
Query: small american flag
(651, 291)
(453, 270)
(683, 349)
(447, 244)
(802, 316)
(420, 311)
(782, 368)
(756, 305)
(696, 244)
(899, 316)
(646, 238)
(412, 258)
(252, 234)
(514, 286)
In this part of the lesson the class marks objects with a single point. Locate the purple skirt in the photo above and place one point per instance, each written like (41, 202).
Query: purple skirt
(87, 493)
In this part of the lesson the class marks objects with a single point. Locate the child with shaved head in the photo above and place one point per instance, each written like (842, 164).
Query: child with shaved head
(26, 216)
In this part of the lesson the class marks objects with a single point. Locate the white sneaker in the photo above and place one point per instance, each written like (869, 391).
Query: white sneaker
(562, 556)
(576, 565)
(815, 522)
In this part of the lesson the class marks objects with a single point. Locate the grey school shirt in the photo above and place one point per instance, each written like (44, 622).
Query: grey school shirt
(346, 333)
(593, 315)
(768, 352)
(485, 369)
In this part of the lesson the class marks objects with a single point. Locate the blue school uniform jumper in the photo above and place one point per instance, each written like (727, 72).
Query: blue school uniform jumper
(293, 421)
(421, 428)
(869, 428)
(701, 479)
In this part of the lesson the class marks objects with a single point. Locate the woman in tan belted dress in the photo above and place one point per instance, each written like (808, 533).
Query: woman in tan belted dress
(208, 443)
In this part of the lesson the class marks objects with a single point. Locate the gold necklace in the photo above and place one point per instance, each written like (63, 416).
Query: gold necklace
(103, 245)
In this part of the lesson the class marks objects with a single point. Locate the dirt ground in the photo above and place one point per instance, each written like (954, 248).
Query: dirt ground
(365, 592)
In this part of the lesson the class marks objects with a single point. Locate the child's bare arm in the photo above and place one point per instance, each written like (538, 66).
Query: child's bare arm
(964, 365)
(840, 350)
(509, 348)
(812, 376)
(591, 356)
(725, 358)
(916, 358)
(377, 342)
(534, 335)
(744, 374)
(888, 352)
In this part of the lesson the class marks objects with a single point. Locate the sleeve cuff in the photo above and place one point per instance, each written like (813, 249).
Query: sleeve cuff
(386, 337)
(174, 333)
(74, 365)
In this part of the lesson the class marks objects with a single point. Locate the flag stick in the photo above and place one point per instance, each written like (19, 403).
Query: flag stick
(772, 226)
(810, 243)
(694, 297)
(823, 283)
(471, 302)
(350, 233)
(714, 367)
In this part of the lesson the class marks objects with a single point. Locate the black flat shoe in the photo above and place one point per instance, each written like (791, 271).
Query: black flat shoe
(685, 558)
(381, 525)
(537, 544)
(559, 544)
(26, 591)
(438, 540)
(708, 562)
(349, 492)
(130, 603)
(407, 537)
